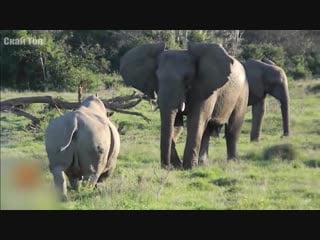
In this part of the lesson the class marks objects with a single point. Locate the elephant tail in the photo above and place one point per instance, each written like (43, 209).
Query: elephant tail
(75, 128)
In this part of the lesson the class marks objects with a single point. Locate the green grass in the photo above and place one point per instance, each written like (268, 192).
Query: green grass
(265, 177)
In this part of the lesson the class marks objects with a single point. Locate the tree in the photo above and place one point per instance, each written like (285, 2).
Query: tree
(231, 40)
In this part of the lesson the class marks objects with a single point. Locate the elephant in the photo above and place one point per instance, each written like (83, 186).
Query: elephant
(203, 83)
(82, 144)
(265, 77)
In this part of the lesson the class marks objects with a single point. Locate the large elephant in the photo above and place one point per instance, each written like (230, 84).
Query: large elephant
(203, 82)
(82, 144)
(264, 78)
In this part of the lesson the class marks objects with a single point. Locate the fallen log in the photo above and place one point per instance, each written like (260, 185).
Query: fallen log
(117, 104)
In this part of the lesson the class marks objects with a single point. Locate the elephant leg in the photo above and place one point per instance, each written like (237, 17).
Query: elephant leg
(203, 155)
(60, 182)
(231, 139)
(196, 123)
(177, 130)
(232, 132)
(175, 160)
(258, 110)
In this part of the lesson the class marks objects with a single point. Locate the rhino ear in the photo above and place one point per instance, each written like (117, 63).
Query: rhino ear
(138, 67)
(213, 65)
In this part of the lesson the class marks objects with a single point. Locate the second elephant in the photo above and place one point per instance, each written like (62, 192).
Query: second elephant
(266, 78)
(203, 82)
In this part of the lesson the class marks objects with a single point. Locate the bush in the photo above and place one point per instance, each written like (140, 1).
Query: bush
(169, 38)
(52, 65)
(258, 51)
(313, 62)
(296, 67)
(111, 80)
(202, 36)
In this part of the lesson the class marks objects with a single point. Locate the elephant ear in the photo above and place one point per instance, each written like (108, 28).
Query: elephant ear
(138, 67)
(213, 65)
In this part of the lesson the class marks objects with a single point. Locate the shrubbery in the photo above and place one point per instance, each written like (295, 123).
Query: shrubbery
(70, 56)
(258, 51)
(53, 65)
(313, 62)
(202, 36)
(296, 66)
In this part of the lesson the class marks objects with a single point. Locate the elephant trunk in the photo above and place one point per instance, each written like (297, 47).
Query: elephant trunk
(167, 122)
(281, 93)
(285, 114)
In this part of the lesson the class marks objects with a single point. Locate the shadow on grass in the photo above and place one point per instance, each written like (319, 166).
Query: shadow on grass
(313, 89)
(282, 151)
(268, 155)
(224, 182)
(312, 163)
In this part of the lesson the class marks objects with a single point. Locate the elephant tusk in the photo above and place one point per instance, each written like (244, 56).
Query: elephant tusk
(183, 106)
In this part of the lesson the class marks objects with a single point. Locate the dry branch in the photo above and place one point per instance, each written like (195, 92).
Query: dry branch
(20, 112)
(117, 104)
(133, 113)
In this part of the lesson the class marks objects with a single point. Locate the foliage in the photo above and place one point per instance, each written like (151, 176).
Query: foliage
(202, 36)
(313, 62)
(48, 66)
(297, 67)
(258, 51)
(67, 57)
(112, 80)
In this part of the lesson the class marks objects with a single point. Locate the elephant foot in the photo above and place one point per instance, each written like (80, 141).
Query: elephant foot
(171, 166)
(235, 159)
(176, 163)
(203, 158)
(254, 140)
(177, 167)
(285, 135)
(189, 165)
(166, 166)
(203, 162)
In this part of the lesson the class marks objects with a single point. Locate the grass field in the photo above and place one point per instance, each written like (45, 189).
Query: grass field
(261, 180)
